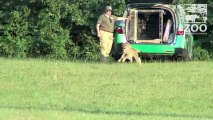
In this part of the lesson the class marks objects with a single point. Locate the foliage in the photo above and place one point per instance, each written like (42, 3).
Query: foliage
(14, 30)
(201, 54)
(52, 28)
(205, 43)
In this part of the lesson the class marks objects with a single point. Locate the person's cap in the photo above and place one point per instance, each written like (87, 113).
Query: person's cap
(108, 8)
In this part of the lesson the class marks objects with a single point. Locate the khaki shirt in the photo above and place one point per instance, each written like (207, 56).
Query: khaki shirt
(107, 23)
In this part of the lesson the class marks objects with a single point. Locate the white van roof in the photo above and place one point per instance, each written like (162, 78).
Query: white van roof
(155, 1)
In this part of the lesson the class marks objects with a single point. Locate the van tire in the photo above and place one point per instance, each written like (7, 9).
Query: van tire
(116, 51)
(189, 55)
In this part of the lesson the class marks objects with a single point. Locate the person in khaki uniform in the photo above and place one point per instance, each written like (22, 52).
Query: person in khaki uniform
(105, 29)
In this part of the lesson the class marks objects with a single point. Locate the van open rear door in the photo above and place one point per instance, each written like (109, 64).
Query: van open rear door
(131, 25)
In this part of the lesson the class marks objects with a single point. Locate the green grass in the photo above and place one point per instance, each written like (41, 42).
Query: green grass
(39, 89)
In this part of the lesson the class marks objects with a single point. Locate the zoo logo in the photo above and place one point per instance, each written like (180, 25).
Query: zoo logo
(195, 18)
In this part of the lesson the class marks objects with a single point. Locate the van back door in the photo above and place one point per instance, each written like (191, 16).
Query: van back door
(131, 25)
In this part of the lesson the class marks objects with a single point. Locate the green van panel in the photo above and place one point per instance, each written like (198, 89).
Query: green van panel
(154, 48)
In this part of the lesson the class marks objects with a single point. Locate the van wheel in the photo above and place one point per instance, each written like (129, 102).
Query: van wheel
(116, 51)
(189, 51)
(187, 54)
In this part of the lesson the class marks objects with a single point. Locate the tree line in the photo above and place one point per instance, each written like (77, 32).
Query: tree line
(65, 29)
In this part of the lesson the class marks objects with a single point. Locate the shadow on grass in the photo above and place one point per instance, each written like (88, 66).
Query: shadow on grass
(127, 113)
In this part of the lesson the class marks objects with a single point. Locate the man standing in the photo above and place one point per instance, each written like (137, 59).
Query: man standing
(105, 28)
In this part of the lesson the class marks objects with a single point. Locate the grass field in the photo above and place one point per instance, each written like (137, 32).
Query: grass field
(59, 90)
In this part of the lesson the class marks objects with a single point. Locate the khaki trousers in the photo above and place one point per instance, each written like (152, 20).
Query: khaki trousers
(106, 41)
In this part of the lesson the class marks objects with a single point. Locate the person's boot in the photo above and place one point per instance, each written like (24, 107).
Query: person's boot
(104, 59)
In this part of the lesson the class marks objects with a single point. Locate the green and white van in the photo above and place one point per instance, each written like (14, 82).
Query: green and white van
(156, 27)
